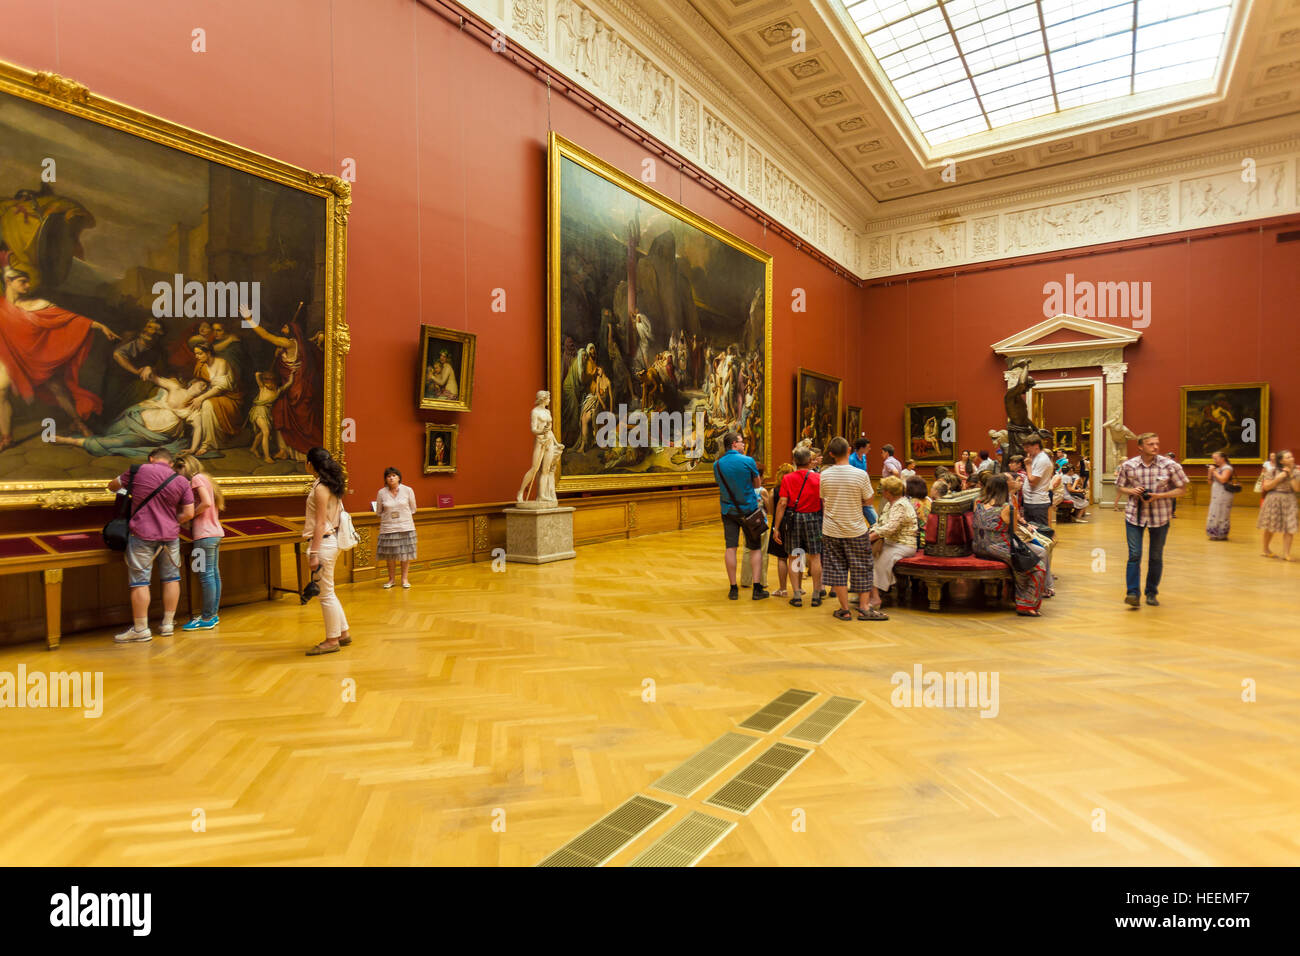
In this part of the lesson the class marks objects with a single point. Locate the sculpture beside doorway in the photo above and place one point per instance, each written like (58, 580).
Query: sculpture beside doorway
(1019, 425)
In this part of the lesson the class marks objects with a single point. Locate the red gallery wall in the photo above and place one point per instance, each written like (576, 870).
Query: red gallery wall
(1224, 308)
(449, 203)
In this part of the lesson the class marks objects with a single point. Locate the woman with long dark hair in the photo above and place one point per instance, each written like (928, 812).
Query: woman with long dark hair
(321, 525)
(995, 521)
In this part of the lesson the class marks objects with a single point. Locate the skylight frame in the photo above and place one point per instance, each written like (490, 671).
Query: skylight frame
(1011, 61)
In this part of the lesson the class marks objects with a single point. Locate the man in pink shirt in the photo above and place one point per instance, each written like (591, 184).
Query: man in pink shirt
(160, 501)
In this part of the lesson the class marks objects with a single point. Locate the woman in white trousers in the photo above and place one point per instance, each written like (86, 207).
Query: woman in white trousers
(321, 525)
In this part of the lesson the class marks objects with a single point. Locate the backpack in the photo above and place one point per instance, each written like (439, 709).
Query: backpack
(346, 535)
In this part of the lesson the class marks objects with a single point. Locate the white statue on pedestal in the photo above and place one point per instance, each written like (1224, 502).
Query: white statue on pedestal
(546, 456)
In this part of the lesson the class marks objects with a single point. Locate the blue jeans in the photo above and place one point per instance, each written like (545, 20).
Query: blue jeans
(1155, 560)
(210, 575)
(870, 514)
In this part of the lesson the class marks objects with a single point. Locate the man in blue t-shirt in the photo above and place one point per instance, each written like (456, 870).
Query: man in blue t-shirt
(737, 477)
(859, 460)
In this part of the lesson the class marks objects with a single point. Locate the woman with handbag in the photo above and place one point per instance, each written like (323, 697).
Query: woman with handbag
(1277, 512)
(996, 521)
(799, 524)
(320, 526)
(1221, 492)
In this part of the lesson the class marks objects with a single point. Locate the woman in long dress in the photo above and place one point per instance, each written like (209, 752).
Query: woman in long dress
(1220, 516)
(995, 520)
(1277, 512)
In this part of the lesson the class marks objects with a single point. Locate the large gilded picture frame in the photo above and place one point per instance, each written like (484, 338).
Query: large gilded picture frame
(659, 331)
(819, 408)
(446, 369)
(188, 294)
(1232, 419)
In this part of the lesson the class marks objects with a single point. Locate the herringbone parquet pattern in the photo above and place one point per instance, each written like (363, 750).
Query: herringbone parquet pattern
(517, 698)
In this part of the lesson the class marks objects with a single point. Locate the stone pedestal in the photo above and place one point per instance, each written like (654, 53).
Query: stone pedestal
(539, 535)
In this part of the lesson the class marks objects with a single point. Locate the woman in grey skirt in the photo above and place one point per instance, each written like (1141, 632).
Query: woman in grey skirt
(396, 506)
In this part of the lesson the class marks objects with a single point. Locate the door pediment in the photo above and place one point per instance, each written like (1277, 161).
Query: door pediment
(1066, 333)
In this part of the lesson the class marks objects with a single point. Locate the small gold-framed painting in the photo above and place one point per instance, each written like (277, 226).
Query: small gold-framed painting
(818, 412)
(930, 432)
(1085, 428)
(440, 448)
(1063, 439)
(852, 423)
(446, 368)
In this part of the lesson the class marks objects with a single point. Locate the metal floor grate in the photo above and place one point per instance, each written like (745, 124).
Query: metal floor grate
(687, 843)
(611, 833)
(688, 777)
(773, 714)
(744, 791)
(823, 721)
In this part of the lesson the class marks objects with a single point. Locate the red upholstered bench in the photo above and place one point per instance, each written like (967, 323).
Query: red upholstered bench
(948, 559)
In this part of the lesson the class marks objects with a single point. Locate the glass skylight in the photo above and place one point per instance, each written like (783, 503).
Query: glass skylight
(967, 66)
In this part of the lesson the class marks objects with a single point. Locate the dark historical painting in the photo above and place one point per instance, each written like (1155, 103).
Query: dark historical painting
(659, 331)
(440, 448)
(852, 423)
(1232, 419)
(446, 368)
(153, 299)
(818, 408)
(930, 432)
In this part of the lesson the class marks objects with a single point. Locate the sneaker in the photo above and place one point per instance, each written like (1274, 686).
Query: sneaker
(132, 636)
(760, 592)
(166, 630)
(194, 625)
(1151, 601)
(733, 594)
(1132, 600)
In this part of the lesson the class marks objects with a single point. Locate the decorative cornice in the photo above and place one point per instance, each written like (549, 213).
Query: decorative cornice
(1103, 334)
(61, 87)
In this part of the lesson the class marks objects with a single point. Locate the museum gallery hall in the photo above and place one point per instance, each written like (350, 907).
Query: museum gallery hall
(649, 433)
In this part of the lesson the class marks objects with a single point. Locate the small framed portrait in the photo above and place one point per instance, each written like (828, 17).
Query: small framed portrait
(1232, 419)
(930, 432)
(1063, 439)
(819, 410)
(446, 368)
(852, 423)
(1085, 428)
(440, 448)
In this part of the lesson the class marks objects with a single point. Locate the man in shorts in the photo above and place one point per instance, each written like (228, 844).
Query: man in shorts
(846, 547)
(738, 480)
(155, 536)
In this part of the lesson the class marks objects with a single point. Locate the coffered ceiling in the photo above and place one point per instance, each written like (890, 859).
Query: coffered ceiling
(859, 131)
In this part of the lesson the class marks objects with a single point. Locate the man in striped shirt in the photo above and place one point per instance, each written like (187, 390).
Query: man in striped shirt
(846, 548)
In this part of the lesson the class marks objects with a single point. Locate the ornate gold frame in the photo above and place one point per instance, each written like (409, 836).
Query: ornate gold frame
(798, 401)
(907, 432)
(61, 93)
(430, 429)
(1069, 444)
(848, 413)
(1263, 424)
(559, 148)
(465, 381)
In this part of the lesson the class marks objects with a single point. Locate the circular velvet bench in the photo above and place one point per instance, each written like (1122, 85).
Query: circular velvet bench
(948, 535)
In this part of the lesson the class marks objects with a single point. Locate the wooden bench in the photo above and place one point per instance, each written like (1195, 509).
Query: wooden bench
(50, 554)
(935, 572)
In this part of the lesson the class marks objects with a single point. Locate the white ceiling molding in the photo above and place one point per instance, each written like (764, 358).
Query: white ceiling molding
(1097, 335)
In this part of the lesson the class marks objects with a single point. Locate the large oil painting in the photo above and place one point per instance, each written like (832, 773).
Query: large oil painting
(659, 331)
(1232, 419)
(162, 289)
(819, 407)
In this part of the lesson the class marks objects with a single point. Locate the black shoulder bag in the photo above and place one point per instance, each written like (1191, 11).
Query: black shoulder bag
(1022, 558)
(118, 530)
(756, 521)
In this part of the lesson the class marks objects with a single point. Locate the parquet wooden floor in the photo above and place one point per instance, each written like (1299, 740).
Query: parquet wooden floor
(517, 698)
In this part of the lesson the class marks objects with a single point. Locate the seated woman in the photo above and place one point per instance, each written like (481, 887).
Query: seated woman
(996, 520)
(915, 487)
(219, 406)
(894, 535)
(1075, 492)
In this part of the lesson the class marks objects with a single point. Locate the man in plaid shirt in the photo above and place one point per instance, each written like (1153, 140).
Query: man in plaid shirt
(1152, 482)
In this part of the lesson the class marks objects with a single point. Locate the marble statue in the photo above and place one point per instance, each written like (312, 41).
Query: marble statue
(546, 456)
(1118, 431)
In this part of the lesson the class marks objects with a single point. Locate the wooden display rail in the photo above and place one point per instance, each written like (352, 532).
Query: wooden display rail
(50, 554)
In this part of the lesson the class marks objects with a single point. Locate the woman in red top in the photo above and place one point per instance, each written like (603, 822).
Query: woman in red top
(801, 502)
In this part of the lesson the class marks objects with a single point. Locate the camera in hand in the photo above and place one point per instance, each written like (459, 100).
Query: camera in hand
(1146, 495)
(311, 590)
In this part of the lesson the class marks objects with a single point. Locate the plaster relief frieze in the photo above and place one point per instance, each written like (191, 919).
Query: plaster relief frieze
(723, 150)
(984, 242)
(788, 200)
(594, 51)
(823, 226)
(1244, 193)
(529, 18)
(1154, 205)
(688, 121)
(1078, 223)
(1084, 358)
(933, 247)
(878, 254)
(754, 173)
